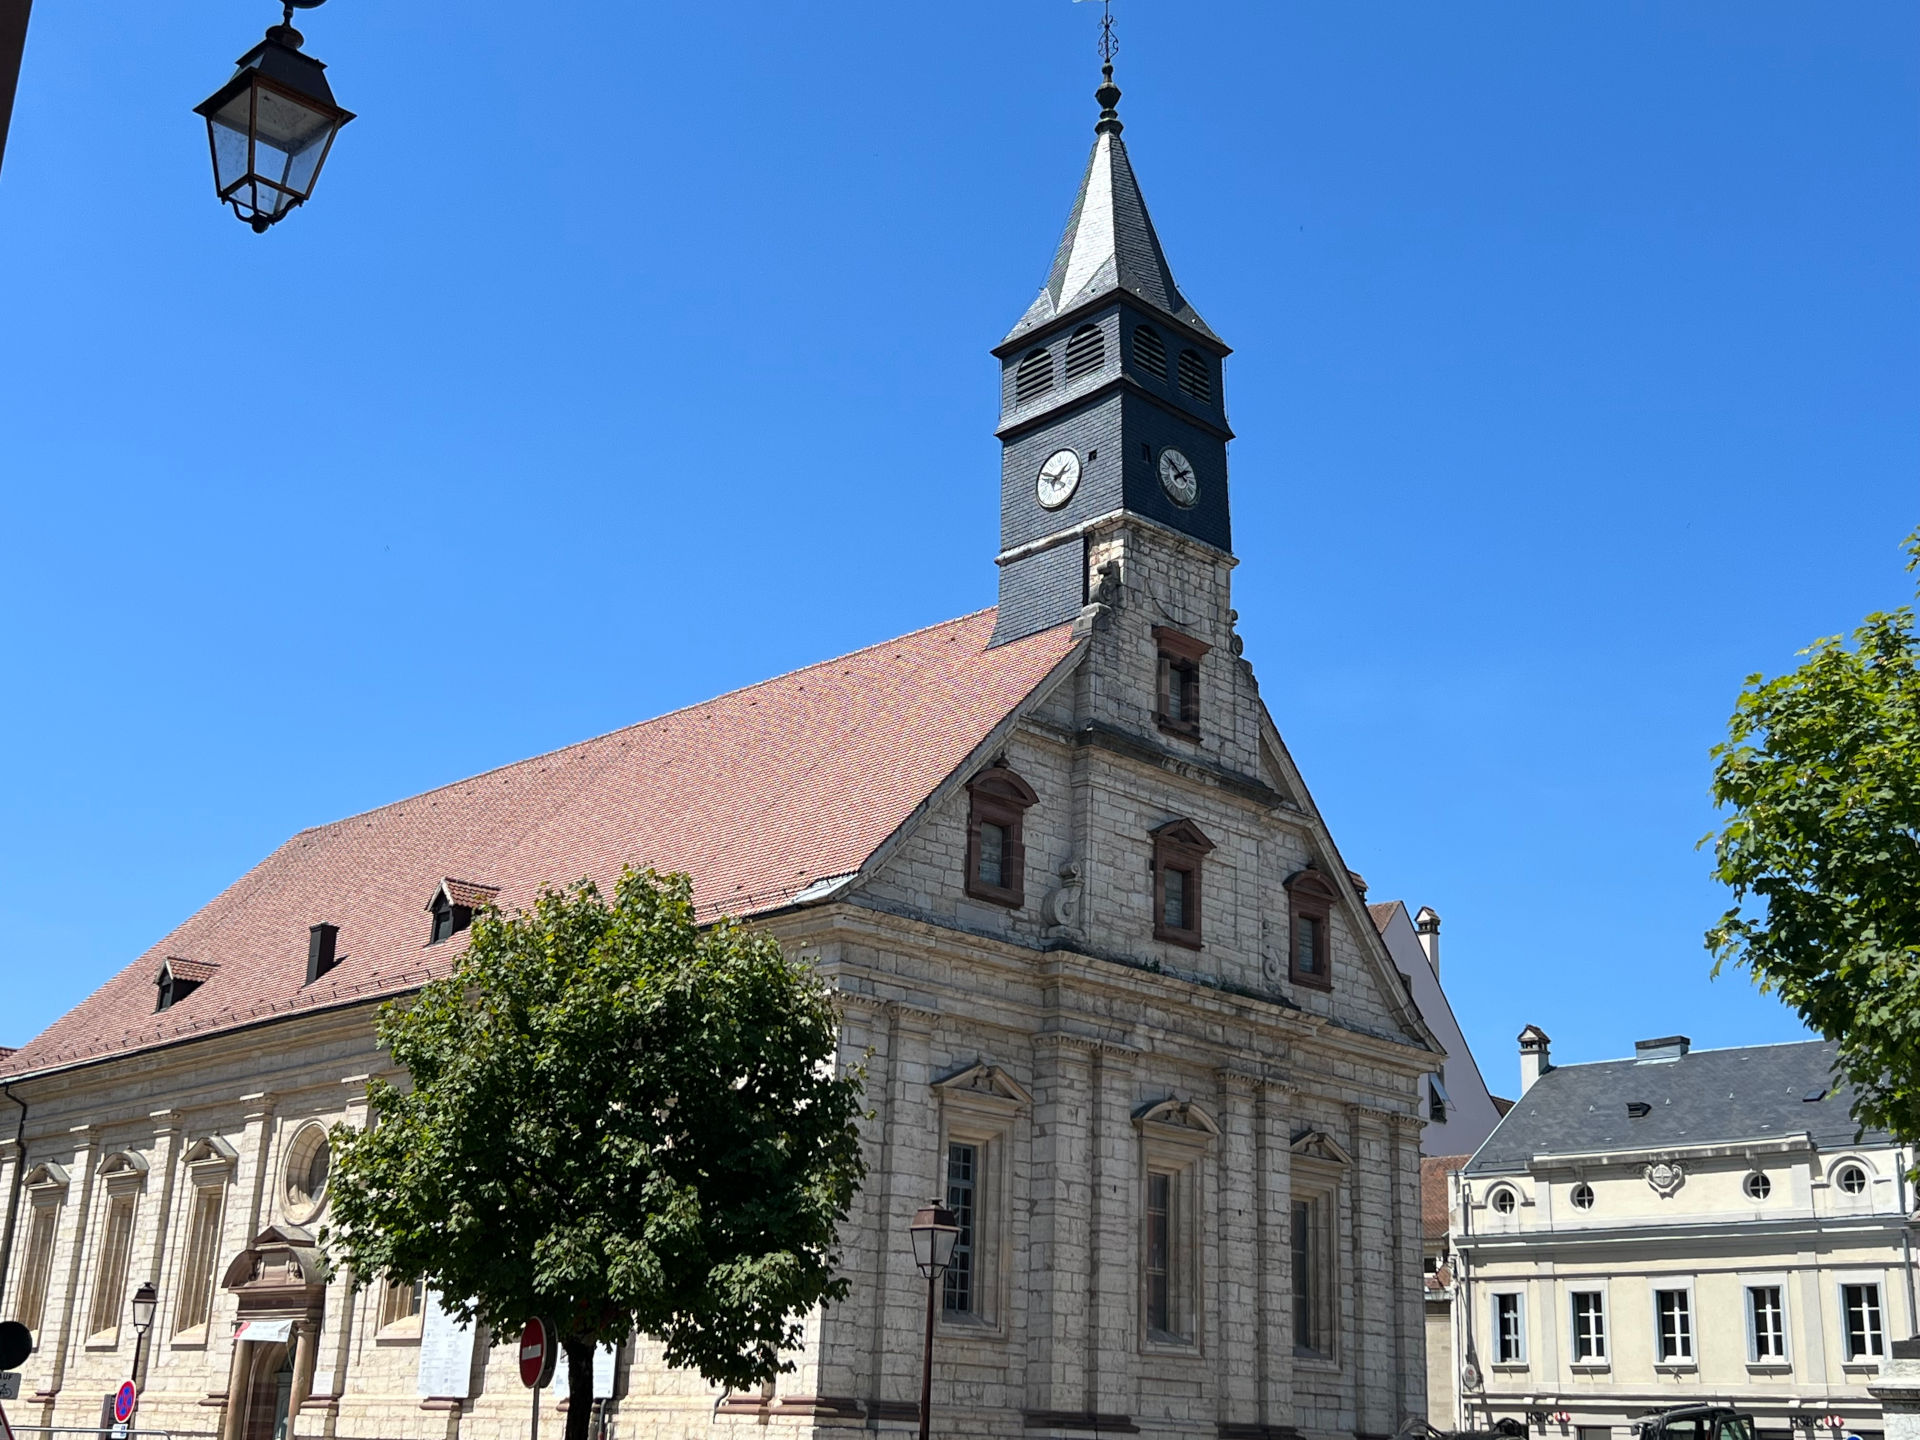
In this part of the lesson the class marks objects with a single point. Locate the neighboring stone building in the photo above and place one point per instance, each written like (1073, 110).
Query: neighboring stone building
(1117, 994)
(1644, 1233)
(1459, 1109)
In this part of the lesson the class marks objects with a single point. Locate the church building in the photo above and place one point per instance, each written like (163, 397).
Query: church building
(1118, 995)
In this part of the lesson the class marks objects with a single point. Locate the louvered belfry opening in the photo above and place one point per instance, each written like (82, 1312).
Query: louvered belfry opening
(1194, 378)
(1086, 352)
(1150, 351)
(1034, 377)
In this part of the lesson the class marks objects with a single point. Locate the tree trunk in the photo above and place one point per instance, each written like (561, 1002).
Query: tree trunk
(579, 1386)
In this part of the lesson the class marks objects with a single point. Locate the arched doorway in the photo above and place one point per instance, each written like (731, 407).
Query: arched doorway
(269, 1400)
(280, 1283)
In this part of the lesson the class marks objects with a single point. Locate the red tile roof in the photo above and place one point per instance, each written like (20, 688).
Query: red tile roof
(1434, 1170)
(198, 971)
(757, 794)
(1381, 913)
(469, 894)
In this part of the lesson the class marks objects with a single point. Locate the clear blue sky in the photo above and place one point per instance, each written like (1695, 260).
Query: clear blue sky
(629, 353)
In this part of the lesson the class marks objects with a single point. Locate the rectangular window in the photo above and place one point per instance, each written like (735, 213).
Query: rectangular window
(1306, 945)
(110, 1277)
(1673, 1315)
(1312, 1282)
(963, 1194)
(1589, 1327)
(1509, 1330)
(402, 1302)
(1860, 1312)
(1173, 914)
(1766, 1324)
(993, 855)
(1177, 703)
(1160, 1252)
(203, 1249)
(33, 1284)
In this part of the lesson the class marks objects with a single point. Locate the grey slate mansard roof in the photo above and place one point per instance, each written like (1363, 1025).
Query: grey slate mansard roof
(1708, 1097)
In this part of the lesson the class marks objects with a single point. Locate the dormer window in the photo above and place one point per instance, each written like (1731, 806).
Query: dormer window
(1196, 376)
(1034, 378)
(452, 907)
(1150, 351)
(996, 848)
(1180, 849)
(1177, 703)
(1311, 897)
(1086, 352)
(178, 979)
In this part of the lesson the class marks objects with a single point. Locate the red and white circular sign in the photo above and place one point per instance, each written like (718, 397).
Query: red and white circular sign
(124, 1399)
(539, 1350)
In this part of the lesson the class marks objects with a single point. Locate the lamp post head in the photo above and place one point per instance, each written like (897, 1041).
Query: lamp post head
(145, 1300)
(935, 1231)
(271, 125)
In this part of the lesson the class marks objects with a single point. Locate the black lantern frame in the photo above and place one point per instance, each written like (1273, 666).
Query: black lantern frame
(271, 126)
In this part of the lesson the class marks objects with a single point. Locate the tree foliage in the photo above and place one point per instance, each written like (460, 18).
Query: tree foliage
(1821, 774)
(617, 1120)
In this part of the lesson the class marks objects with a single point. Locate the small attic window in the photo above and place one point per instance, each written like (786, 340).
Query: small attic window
(1196, 379)
(1086, 352)
(1638, 1109)
(178, 979)
(1034, 378)
(452, 907)
(1150, 351)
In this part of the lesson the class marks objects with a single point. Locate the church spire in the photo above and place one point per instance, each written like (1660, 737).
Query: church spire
(1110, 243)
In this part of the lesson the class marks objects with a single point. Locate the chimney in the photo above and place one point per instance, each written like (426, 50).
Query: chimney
(321, 942)
(1667, 1047)
(1427, 922)
(1533, 1056)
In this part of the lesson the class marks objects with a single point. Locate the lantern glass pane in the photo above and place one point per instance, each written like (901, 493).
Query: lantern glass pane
(290, 141)
(228, 127)
(944, 1239)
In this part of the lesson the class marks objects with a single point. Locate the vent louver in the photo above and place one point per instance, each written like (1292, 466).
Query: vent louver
(1149, 352)
(1034, 377)
(1086, 352)
(1194, 378)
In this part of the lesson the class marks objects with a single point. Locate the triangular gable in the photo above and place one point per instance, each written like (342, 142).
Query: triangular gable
(981, 1081)
(1183, 832)
(1318, 1145)
(1177, 1114)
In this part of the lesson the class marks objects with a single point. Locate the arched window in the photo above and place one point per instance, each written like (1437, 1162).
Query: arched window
(1086, 352)
(1034, 377)
(1504, 1200)
(1195, 376)
(1149, 351)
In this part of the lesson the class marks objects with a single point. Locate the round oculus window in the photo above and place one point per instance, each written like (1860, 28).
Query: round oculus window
(1757, 1186)
(1504, 1200)
(1582, 1196)
(309, 1162)
(1851, 1179)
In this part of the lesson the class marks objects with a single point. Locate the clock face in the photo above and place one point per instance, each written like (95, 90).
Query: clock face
(1059, 478)
(1177, 478)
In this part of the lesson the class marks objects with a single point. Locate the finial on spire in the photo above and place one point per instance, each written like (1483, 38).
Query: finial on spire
(1109, 93)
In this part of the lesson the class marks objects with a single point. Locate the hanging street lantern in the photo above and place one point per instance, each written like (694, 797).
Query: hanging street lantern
(271, 126)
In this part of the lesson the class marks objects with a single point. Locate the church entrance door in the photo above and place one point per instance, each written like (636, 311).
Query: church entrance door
(269, 1393)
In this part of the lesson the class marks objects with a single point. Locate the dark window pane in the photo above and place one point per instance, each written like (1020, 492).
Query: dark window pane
(993, 855)
(963, 1179)
(1174, 912)
(1306, 946)
(1306, 1334)
(1159, 1252)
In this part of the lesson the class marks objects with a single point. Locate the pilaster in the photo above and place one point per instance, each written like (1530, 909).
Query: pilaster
(86, 1160)
(1113, 1268)
(911, 1177)
(1237, 1287)
(1411, 1313)
(166, 1161)
(1274, 1371)
(1057, 1306)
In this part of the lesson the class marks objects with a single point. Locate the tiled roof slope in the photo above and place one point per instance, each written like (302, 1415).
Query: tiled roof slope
(756, 794)
(1750, 1092)
(1434, 1170)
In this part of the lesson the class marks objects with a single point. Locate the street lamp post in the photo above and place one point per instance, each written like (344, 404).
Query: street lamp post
(145, 1300)
(935, 1232)
(271, 126)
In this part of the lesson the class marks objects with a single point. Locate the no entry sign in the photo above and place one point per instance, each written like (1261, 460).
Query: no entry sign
(538, 1352)
(124, 1399)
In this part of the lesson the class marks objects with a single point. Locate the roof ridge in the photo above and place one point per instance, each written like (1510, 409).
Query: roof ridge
(1702, 1050)
(638, 724)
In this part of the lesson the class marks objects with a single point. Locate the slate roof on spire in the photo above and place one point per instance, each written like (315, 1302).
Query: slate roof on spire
(1110, 245)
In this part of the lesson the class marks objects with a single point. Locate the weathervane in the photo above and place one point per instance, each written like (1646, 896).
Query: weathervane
(1109, 93)
(1109, 47)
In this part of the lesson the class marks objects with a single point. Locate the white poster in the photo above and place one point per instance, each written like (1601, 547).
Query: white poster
(446, 1354)
(603, 1359)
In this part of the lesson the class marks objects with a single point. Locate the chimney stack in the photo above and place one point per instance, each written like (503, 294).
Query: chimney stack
(1427, 922)
(1534, 1061)
(322, 942)
(1667, 1047)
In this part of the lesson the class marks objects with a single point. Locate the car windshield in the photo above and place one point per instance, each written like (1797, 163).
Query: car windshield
(1733, 1427)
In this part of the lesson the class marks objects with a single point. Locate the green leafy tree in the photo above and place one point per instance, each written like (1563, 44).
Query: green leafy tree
(617, 1120)
(1821, 774)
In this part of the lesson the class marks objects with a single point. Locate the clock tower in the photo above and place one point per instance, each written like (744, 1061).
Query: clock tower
(1111, 403)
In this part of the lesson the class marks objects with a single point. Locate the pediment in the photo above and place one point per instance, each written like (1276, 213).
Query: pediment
(981, 1081)
(1003, 784)
(1183, 832)
(1318, 1145)
(210, 1150)
(124, 1163)
(47, 1176)
(282, 1258)
(1179, 1115)
(1312, 881)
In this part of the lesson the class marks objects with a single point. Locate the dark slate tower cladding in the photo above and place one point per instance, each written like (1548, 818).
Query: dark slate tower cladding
(1110, 399)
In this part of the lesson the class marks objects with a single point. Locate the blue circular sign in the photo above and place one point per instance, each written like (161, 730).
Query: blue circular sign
(123, 1400)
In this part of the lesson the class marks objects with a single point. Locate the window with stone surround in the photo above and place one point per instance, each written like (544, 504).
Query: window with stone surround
(209, 1165)
(996, 841)
(1861, 1322)
(1673, 1326)
(1180, 849)
(1589, 1328)
(1175, 1138)
(402, 1303)
(1310, 902)
(110, 1268)
(1319, 1168)
(31, 1307)
(980, 1107)
(1509, 1328)
(1177, 689)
